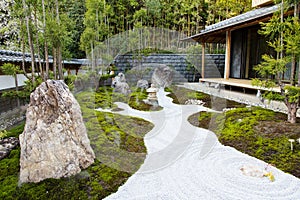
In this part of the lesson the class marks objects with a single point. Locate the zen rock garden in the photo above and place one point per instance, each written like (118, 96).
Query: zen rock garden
(56, 144)
(146, 100)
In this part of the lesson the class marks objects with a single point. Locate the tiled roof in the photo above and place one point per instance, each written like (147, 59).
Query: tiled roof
(239, 19)
(15, 56)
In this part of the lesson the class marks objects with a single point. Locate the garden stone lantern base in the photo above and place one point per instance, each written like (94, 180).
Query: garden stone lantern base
(152, 97)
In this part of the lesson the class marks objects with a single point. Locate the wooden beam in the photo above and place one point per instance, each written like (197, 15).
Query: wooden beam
(227, 55)
(203, 60)
(248, 54)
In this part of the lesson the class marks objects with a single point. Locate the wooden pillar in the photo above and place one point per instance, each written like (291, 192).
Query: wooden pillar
(227, 55)
(248, 54)
(203, 60)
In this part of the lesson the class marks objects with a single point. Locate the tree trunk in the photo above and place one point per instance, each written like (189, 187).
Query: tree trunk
(17, 89)
(38, 47)
(54, 62)
(58, 48)
(47, 60)
(292, 112)
(45, 42)
(59, 64)
(23, 57)
(293, 70)
(30, 42)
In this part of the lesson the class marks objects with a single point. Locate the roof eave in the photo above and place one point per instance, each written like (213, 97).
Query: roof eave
(252, 20)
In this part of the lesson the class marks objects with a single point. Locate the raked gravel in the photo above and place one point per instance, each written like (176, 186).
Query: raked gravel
(188, 163)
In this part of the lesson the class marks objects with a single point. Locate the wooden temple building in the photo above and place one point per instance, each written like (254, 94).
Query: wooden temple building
(244, 46)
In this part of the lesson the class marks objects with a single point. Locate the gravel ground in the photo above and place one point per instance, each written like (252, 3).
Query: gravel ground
(185, 162)
(240, 97)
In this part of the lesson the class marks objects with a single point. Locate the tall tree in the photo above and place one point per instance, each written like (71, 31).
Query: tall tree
(27, 12)
(283, 35)
(45, 40)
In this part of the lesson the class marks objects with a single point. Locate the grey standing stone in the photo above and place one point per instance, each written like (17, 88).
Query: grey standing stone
(143, 84)
(162, 76)
(119, 84)
(54, 143)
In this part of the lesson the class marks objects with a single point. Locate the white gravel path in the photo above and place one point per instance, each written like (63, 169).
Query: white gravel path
(245, 98)
(185, 162)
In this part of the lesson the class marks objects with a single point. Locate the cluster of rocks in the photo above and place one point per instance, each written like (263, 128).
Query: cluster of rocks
(194, 102)
(54, 143)
(6, 145)
(120, 85)
(162, 77)
(227, 109)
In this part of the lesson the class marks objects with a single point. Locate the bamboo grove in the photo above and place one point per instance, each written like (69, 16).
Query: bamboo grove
(66, 28)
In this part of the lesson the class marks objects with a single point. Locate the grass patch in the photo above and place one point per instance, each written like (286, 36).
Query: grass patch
(108, 133)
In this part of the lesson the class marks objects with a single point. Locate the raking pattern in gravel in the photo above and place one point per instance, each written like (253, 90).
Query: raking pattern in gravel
(188, 163)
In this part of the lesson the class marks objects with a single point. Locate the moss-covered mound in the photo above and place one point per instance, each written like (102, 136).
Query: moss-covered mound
(105, 98)
(108, 133)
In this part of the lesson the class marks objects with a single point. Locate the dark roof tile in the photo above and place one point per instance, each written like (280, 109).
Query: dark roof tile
(239, 19)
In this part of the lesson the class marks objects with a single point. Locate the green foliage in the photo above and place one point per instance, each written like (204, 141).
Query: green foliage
(292, 36)
(197, 95)
(180, 95)
(273, 96)
(10, 69)
(3, 134)
(70, 80)
(105, 98)
(266, 83)
(16, 130)
(136, 101)
(272, 66)
(168, 89)
(30, 87)
(223, 9)
(283, 35)
(293, 93)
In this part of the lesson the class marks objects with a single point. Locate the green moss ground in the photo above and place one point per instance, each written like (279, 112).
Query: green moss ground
(108, 133)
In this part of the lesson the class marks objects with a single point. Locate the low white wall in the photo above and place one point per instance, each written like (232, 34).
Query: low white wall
(7, 82)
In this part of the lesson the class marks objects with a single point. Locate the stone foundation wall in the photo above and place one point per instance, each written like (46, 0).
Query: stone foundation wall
(12, 117)
(214, 65)
(10, 114)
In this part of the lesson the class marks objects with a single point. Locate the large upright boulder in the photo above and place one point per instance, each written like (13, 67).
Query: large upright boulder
(143, 84)
(54, 143)
(120, 85)
(162, 76)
